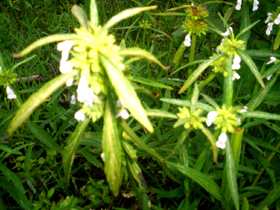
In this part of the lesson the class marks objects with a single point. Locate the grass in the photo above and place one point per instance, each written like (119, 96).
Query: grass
(172, 168)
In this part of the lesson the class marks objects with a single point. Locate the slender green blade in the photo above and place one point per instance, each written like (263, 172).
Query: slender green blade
(94, 13)
(112, 150)
(231, 176)
(127, 94)
(43, 41)
(70, 149)
(272, 196)
(252, 66)
(200, 178)
(126, 14)
(36, 99)
(194, 76)
(80, 14)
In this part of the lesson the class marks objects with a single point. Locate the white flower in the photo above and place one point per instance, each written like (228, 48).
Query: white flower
(65, 66)
(188, 40)
(80, 116)
(73, 99)
(238, 5)
(272, 59)
(123, 113)
(269, 28)
(211, 117)
(235, 75)
(222, 140)
(84, 92)
(65, 47)
(269, 77)
(236, 62)
(102, 155)
(244, 109)
(269, 17)
(227, 32)
(10, 93)
(255, 5)
(277, 19)
(69, 82)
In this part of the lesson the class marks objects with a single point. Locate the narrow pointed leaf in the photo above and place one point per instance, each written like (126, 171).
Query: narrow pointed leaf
(272, 196)
(252, 66)
(13, 185)
(200, 178)
(150, 82)
(80, 14)
(127, 94)
(126, 14)
(231, 176)
(94, 13)
(138, 52)
(261, 115)
(36, 99)
(194, 76)
(112, 150)
(44, 41)
(70, 149)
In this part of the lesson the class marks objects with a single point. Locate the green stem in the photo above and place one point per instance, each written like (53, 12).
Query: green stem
(179, 54)
(228, 84)
(193, 46)
(211, 139)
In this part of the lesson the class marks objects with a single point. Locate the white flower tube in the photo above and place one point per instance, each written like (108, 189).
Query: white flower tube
(255, 5)
(188, 40)
(236, 62)
(80, 116)
(211, 117)
(269, 28)
(84, 92)
(222, 140)
(10, 93)
(238, 5)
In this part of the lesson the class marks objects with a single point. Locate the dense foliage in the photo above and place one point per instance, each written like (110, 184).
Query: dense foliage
(112, 104)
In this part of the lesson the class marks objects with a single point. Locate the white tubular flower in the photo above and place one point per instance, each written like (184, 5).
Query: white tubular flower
(69, 82)
(102, 156)
(73, 99)
(277, 19)
(188, 40)
(236, 62)
(65, 66)
(211, 117)
(269, 77)
(80, 116)
(84, 92)
(244, 109)
(269, 28)
(272, 59)
(10, 93)
(255, 5)
(123, 113)
(222, 140)
(65, 47)
(269, 17)
(228, 32)
(238, 5)
(235, 75)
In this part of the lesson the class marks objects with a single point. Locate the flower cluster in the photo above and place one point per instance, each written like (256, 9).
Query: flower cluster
(190, 118)
(226, 120)
(228, 49)
(82, 55)
(195, 22)
(271, 20)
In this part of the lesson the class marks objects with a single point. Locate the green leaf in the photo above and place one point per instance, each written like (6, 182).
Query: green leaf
(36, 99)
(16, 190)
(231, 176)
(194, 76)
(252, 66)
(200, 178)
(138, 52)
(112, 150)
(272, 196)
(276, 42)
(94, 13)
(126, 14)
(161, 114)
(126, 94)
(261, 115)
(44, 41)
(69, 150)
(236, 144)
(149, 82)
(80, 14)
